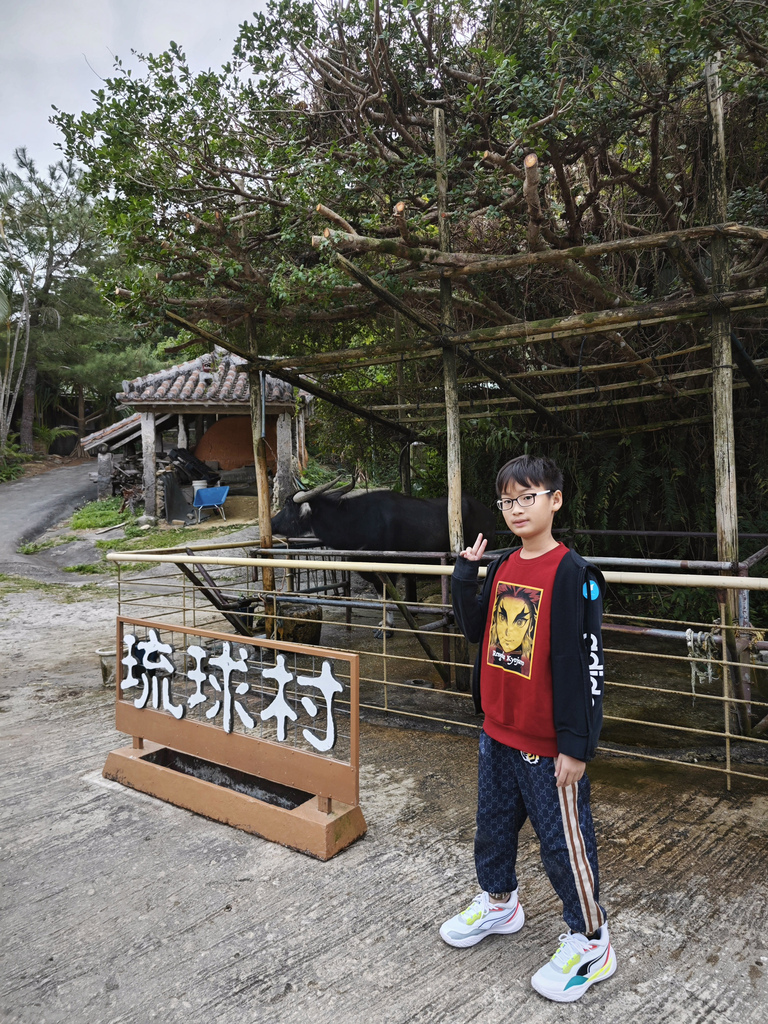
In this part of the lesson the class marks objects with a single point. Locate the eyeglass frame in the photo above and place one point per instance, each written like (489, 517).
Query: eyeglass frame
(530, 494)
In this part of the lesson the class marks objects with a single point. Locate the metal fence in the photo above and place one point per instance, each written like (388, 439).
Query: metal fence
(676, 692)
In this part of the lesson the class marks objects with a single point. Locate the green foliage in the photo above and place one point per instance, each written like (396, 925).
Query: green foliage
(33, 548)
(54, 249)
(12, 459)
(47, 435)
(98, 514)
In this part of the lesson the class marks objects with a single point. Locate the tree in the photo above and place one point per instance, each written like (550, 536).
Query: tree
(52, 243)
(213, 185)
(49, 234)
(14, 352)
(85, 360)
(213, 181)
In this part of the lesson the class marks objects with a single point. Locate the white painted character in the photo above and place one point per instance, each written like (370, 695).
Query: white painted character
(328, 686)
(279, 709)
(228, 665)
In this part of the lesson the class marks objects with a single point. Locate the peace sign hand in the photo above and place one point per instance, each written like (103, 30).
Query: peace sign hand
(475, 553)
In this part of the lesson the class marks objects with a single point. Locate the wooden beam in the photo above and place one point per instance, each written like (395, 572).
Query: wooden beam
(516, 391)
(201, 332)
(386, 296)
(599, 321)
(467, 263)
(356, 410)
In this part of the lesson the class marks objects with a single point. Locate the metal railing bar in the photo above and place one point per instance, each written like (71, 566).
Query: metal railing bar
(646, 578)
(678, 763)
(698, 695)
(686, 728)
(413, 714)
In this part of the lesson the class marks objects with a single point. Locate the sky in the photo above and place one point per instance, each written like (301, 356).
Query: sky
(55, 52)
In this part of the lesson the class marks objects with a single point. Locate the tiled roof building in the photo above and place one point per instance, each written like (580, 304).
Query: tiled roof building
(212, 379)
(210, 398)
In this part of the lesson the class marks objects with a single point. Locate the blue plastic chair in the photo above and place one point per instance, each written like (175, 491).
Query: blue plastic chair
(211, 497)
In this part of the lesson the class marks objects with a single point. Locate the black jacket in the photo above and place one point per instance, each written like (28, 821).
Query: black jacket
(576, 644)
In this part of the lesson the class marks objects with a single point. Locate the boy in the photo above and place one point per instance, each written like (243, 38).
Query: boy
(538, 678)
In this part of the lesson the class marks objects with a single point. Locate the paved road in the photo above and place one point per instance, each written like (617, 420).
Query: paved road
(30, 506)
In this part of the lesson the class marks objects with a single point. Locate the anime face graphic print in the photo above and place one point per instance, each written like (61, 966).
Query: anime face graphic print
(513, 628)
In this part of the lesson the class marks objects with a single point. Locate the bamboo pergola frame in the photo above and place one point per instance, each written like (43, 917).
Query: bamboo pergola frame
(432, 339)
(489, 391)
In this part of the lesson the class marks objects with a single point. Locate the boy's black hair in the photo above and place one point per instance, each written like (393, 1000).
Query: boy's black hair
(530, 471)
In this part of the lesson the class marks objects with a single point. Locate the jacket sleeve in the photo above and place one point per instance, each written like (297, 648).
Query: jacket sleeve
(467, 603)
(577, 661)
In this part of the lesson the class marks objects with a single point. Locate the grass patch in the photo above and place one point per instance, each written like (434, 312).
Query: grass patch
(87, 568)
(41, 545)
(35, 546)
(141, 540)
(62, 592)
(98, 514)
(180, 537)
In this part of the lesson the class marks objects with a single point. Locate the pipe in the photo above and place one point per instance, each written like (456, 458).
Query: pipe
(628, 578)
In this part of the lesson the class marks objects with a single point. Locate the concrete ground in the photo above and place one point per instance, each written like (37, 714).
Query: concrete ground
(33, 503)
(119, 909)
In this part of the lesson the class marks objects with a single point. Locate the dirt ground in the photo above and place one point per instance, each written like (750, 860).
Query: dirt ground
(117, 908)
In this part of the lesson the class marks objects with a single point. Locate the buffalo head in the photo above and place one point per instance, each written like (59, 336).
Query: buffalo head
(295, 517)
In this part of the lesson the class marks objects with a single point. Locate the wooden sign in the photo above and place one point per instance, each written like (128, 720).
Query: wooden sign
(259, 734)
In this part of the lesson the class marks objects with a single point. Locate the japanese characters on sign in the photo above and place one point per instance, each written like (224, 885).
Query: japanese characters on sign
(149, 665)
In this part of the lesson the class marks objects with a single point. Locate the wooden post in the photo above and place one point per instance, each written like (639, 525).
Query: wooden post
(726, 507)
(450, 382)
(262, 479)
(104, 474)
(183, 441)
(149, 462)
(405, 456)
(282, 486)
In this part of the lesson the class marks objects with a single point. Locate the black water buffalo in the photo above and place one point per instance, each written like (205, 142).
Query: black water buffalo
(378, 520)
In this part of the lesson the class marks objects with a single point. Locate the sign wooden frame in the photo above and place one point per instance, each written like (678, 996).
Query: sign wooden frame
(325, 823)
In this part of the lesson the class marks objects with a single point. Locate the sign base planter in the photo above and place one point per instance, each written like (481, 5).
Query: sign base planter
(304, 827)
(254, 740)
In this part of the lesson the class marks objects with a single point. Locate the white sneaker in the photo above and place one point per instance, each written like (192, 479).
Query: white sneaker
(578, 963)
(483, 917)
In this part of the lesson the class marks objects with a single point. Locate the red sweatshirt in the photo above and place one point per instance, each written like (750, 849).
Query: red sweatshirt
(516, 664)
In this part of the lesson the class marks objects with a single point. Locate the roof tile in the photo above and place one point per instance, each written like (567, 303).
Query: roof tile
(209, 378)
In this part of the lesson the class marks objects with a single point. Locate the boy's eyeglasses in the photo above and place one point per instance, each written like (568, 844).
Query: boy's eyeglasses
(524, 501)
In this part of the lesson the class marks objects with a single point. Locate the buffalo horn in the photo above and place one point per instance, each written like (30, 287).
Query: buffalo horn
(301, 496)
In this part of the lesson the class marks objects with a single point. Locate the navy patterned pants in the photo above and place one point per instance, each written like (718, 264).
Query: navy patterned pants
(513, 786)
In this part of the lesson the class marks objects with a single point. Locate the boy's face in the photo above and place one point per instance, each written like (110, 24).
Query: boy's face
(535, 521)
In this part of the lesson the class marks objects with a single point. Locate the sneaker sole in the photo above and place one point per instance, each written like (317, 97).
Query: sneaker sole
(572, 994)
(513, 926)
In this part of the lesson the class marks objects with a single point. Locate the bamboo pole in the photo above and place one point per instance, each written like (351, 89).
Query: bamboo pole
(599, 321)
(450, 381)
(404, 466)
(653, 579)
(588, 407)
(262, 479)
(726, 502)
(551, 396)
(644, 313)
